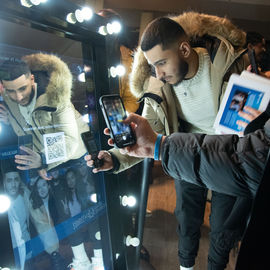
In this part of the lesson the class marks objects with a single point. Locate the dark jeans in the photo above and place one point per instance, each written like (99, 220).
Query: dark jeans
(227, 220)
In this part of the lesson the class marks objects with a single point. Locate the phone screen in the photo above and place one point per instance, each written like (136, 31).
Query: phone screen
(114, 113)
(26, 141)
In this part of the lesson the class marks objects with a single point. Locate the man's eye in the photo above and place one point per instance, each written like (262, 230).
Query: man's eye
(162, 63)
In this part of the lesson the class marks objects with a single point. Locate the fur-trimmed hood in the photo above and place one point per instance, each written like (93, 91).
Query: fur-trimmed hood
(59, 84)
(195, 25)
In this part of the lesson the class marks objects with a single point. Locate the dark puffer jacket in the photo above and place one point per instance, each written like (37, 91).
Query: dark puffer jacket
(226, 164)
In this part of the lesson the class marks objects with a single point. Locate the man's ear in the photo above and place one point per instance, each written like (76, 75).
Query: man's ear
(184, 49)
(32, 79)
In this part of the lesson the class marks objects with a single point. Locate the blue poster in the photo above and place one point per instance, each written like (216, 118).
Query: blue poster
(239, 98)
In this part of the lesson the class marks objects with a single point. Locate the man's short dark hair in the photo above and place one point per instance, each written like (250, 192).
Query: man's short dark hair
(254, 38)
(12, 69)
(162, 31)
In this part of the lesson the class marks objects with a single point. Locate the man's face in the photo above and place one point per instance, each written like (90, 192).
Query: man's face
(12, 183)
(259, 49)
(42, 188)
(168, 64)
(20, 90)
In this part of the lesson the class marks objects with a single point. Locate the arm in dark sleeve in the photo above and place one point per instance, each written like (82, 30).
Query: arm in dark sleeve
(223, 163)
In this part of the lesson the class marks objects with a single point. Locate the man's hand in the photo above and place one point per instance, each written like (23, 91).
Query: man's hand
(31, 160)
(107, 161)
(145, 137)
(3, 115)
(249, 115)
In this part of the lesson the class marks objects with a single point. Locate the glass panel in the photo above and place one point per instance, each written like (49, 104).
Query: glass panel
(62, 221)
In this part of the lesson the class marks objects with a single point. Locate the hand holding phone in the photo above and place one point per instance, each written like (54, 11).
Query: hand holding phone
(114, 113)
(253, 62)
(90, 144)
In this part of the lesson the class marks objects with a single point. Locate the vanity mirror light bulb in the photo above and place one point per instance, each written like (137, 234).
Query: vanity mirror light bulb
(87, 13)
(71, 18)
(4, 203)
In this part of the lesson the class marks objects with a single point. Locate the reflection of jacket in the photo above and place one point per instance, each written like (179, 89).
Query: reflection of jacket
(237, 164)
(224, 48)
(53, 111)
(130, 102)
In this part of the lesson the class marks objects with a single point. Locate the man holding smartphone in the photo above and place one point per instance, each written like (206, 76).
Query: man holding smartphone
(185, 96)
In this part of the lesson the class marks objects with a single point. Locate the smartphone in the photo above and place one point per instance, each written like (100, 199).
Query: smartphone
(91, 146)
(253, 62)
(25, 140)
(114, 113)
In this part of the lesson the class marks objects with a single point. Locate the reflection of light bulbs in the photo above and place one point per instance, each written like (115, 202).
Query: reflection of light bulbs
(109, 28)
(128, 201)
(4, 203)
(71, 18)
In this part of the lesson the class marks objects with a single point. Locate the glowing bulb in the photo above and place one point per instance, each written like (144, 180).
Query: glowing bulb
(87, 13)
(109, 28)
(128, 201)
(0, 127)
(93, 198)
(103, 30)
(120, 70)
(113, 72)
(79, 15)
(26, 3)
(4, 203)
(116, 26)
(98, 235)
(35, 2)
(71, 18)
(81, 77)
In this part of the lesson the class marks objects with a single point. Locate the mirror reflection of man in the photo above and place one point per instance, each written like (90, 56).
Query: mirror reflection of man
(37, 95)
(18, 213)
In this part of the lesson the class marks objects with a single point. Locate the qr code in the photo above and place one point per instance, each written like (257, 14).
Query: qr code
(55, 147)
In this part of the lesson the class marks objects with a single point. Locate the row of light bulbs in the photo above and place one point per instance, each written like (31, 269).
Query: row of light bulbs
(80, 15)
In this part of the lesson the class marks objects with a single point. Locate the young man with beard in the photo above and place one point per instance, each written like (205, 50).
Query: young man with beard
(186, 96)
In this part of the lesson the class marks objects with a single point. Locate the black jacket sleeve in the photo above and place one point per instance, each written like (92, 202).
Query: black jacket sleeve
(223, 163)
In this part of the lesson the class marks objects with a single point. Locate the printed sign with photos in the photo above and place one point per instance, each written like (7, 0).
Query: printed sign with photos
(55, 147)
(245, 90)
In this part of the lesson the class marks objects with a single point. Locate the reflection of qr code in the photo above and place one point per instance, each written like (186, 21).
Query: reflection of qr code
(55, 148)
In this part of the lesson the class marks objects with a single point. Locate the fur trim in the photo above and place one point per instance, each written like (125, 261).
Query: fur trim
(199, 24)
(139, 73)
(196, 25)
(60, 83)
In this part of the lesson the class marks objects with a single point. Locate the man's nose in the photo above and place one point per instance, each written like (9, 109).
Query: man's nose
(19, 96)
(159, 73)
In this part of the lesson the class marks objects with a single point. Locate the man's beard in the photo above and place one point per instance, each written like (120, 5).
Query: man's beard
(32, 94)
(183, 70)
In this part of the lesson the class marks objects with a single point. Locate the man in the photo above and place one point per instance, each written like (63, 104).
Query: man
(37, 94)
(18, 214)
(255, 41)
(186, 96)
